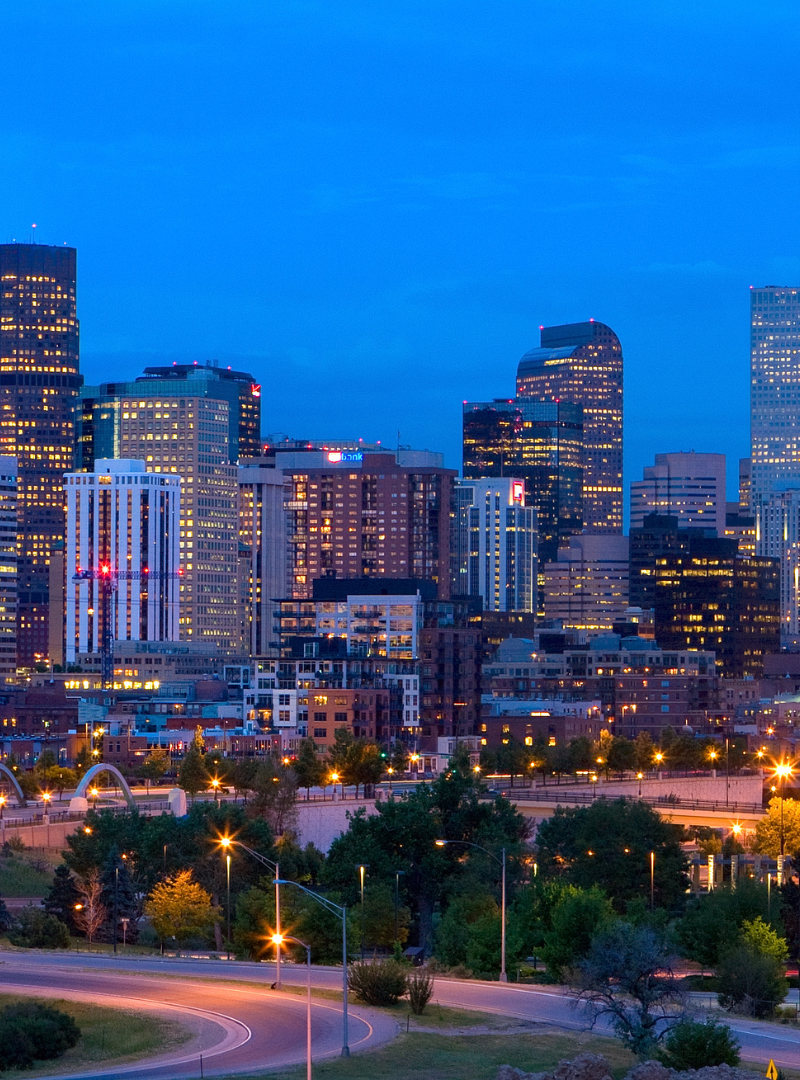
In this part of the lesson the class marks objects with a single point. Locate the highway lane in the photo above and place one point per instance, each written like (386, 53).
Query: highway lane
(237, 1028)
(553, 1006)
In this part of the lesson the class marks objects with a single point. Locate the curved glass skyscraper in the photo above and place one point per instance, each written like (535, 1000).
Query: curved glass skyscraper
(581, 363)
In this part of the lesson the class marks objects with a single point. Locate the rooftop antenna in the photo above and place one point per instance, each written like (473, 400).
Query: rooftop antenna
(33, 235)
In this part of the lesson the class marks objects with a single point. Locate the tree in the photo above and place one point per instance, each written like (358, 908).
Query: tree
(757, 935)
(609, 844)
(58, 778)
(713, 922)
(46, 760)
(576, 918)
(621, 755)
(153, 767)
(35, 929)
(309, 766)
(119, 897)
(644, 751)
(5, 917)
(628, 977)
(275, 796)
(458, 927)
(180, 908)
(768, 829)
(193, 775)
(750, 981)
(512, 758)
(399, 758)
(31, 1031)
(63, 896)
(90, 913)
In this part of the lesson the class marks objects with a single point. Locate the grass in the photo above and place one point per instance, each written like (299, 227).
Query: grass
(25, 874)
(108, 1035)
(424, 1056)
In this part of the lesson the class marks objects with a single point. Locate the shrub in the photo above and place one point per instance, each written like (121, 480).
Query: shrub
(32, 1032)
(692, 1045)
(380, 983)
(34, 929)
(420, 991)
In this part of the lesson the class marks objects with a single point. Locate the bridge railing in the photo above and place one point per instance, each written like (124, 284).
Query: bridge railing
(583, 798)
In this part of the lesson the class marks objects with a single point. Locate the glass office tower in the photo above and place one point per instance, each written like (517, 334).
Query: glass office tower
(581, 363)
(774, 389)
(540, 442)
(39, 385)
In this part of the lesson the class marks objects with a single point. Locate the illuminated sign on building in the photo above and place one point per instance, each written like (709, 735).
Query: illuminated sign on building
(345, 455)
(255, 389)
(518, 492)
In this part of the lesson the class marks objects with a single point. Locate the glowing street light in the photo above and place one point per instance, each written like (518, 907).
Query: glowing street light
(227, 843)
(501, 863)
(278, 940)
(782, 772)
(215, 786)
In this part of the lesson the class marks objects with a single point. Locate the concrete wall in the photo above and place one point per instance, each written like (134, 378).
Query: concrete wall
(40, 836)
(744, 789)
(320, 823)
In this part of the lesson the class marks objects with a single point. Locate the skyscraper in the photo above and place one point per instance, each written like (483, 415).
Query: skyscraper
(774, 388)
(127, 519)
(262, 534)
(39, 384)
(688, 486)
(540, 442)
(581, 363)
(494, 534)
(8, 567)
(587, 588)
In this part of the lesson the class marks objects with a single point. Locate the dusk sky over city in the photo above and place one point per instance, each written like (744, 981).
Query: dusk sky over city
(373, 207)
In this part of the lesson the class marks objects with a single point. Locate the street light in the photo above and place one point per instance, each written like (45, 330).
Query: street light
(341, 913)
(652, 879)
(215, 786)
(781, 772)
(501, 863)
(278, 940)
(362, 870)
(226, 842)
(94, 793)
(397, 875)
(639, 778)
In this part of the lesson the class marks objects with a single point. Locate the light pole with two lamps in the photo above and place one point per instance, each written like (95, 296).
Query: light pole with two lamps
(226, 843)
(278, 940)
(501, 863)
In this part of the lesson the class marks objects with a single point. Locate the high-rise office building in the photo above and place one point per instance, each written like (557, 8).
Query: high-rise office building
(745, 502)
(540, 442)
(39, 384)
(188, 437)
(709, 597)
(262, 540)
(774, 388)
(688, 486)
(8, 567)
(100, 423)
(352, 514)
(587, 588)
(581, 363)
(495, 536)
(778, 537)
(127, 519)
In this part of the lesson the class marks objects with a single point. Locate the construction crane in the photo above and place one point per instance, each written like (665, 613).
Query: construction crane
(109, 578)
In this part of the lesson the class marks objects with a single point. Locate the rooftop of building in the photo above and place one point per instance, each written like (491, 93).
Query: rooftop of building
(560, 343)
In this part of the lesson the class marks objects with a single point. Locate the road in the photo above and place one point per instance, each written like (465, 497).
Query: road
(275, 1022)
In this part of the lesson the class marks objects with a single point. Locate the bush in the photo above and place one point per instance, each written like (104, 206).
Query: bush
(420, 991)
(380, 983)
(34, 929)
(692, 1045)
(750, 982)
(32, 1032)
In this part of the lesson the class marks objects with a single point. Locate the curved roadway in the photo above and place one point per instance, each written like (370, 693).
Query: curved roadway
(276, 1022)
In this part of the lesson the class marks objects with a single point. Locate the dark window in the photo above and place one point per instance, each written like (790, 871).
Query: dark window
(340, 717)
(320, 718)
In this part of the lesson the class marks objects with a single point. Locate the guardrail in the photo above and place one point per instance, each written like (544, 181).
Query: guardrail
(583, 798)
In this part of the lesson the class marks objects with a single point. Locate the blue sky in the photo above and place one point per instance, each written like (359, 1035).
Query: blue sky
(374, 205)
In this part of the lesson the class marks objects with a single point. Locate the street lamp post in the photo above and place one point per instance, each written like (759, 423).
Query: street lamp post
(652, 879)
(228, 867)
(397, 875)
(782, 771)
(639, 778)
(501, 863)
(226, 842)
(279, 939)
(340, 912)
(362, 871)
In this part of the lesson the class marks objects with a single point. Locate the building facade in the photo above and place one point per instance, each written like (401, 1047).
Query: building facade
(494, 541)
(778, 537)
(581, 363)
(262, 540)
(8, 567)
(688, 486)
(708, 597)
(587, 588)
(540, 442)
(126, 520)
(774, 388)
(39, 386)
(352, 514)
